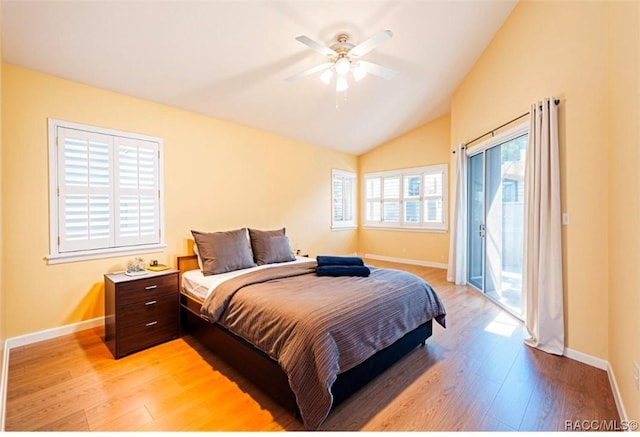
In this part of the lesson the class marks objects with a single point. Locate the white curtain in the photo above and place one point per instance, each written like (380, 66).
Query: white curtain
(457, 268)
(542, 275)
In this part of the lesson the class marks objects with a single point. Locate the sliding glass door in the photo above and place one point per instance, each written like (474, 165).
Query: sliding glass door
(496, 221)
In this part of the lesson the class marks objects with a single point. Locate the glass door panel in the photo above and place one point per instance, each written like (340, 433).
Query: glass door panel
(476, 220)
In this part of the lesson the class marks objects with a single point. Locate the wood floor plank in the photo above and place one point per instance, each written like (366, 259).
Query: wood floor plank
(75, 421)
(130, 400)
(513, 397)
(133, 419)
(476, 375)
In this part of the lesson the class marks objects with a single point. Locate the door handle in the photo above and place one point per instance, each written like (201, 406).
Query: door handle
(481, 230)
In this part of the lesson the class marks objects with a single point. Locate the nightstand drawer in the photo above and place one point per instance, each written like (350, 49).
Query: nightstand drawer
(163, 307)
(147, 289)
(140, 311)
(142, 335)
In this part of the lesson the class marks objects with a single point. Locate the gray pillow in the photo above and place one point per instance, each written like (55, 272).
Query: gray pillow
(223, 251)
(270, 246)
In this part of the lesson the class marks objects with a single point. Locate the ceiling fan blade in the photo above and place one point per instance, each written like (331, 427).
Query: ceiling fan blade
(367, 45)
(310, 71)
(377, 70)
(317, 46)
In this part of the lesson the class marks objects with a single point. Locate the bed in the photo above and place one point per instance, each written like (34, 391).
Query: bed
(268, 322)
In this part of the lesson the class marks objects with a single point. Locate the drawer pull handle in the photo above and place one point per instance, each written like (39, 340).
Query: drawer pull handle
(151, 302)
(150, 287)
(151, 323)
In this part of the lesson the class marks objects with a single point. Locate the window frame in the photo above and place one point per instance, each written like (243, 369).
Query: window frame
(345, 224)
(403, 174)
(56, 256)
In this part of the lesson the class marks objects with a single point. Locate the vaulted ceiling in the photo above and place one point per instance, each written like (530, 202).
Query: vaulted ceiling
(230, 59)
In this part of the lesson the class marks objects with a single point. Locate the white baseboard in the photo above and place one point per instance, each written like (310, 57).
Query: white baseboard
(3, 384)
(47, 334)
(616, 394)
(598, 363)
(414, 262)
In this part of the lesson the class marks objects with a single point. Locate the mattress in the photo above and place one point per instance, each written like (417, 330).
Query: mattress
(199, 286)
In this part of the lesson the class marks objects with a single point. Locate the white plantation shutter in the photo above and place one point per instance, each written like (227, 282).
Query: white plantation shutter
(412, 198)
(433, 197)
(136, 189)
(373, 194)
(391, 199)
(105, 192)
(84, 190)
(338, 199)
(343, 197)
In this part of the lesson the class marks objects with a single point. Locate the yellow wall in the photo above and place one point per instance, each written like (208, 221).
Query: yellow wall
(2, 312)
(556, 49)
(624, 198)
(218, 176)
(426, 145)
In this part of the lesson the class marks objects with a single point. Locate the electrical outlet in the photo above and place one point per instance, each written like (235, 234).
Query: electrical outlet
(565, 218)
(636, 375)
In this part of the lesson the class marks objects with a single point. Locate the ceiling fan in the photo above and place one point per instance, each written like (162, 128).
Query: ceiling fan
(344, 57)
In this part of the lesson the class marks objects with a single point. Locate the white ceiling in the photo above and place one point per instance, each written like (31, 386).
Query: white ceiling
(230, 59)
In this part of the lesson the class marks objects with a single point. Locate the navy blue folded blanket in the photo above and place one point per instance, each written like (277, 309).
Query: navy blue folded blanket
(325, 260)
(337, 270)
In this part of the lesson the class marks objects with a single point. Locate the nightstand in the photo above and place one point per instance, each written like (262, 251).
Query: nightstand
(140, 311)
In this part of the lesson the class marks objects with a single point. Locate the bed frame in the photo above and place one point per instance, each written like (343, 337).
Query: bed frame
(265, 372)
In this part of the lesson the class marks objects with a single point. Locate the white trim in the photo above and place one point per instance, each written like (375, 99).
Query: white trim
(415, 262)
(344, 228)
(503, 137)
(590, 360)
(104, 253)
(3, 385)
(405, 229)
(48, 334)
(616, 394)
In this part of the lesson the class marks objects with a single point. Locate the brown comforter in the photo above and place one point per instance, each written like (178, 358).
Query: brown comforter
(318, 327)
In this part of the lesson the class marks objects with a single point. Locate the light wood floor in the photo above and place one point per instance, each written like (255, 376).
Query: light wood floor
(474, 375)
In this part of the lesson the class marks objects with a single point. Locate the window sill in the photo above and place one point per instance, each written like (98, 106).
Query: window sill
(395, 228)
(344, 228)
(60, 258)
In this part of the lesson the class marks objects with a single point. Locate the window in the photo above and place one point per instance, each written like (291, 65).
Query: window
(105, 192)
(343, 210)
(411, 198)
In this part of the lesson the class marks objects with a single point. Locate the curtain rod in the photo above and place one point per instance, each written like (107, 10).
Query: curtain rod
(492, 131)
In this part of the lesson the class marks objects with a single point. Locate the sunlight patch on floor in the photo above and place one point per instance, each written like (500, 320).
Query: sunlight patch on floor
(503, 324)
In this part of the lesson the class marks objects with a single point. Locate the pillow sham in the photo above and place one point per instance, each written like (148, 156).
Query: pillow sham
(223, 252)
(270, 247)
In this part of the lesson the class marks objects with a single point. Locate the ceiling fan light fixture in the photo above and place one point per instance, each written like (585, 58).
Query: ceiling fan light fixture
(341, 84)
(327, 76)
(343, 65)
(359, 73)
